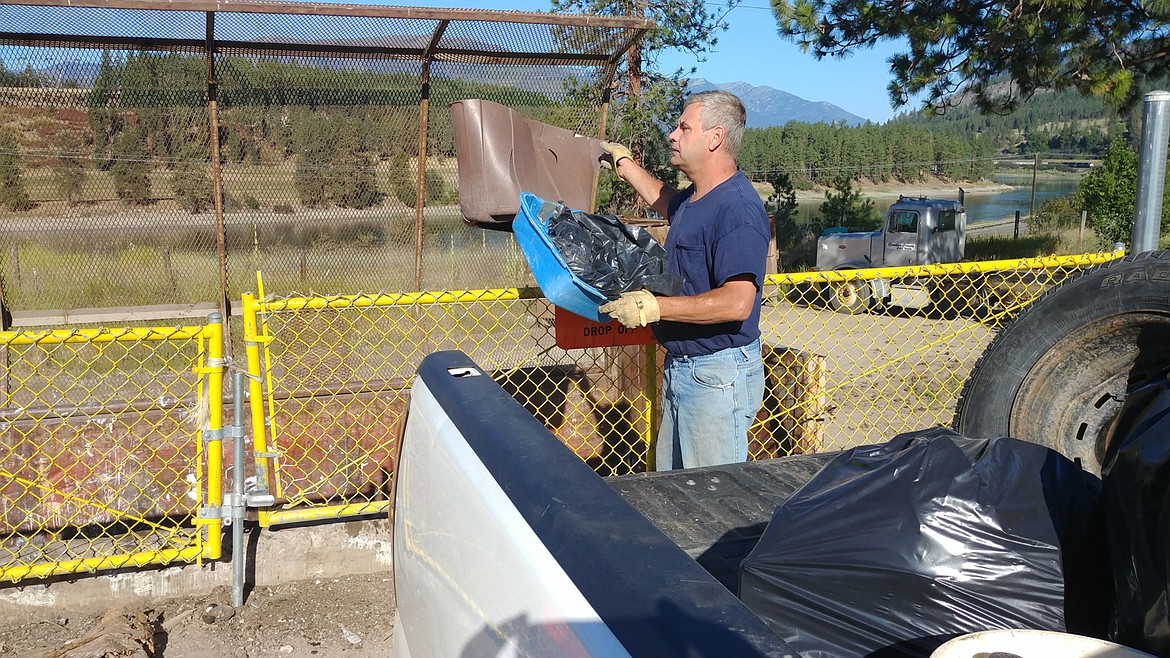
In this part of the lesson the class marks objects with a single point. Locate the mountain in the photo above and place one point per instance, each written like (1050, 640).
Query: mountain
(73, 73)
(771, 107)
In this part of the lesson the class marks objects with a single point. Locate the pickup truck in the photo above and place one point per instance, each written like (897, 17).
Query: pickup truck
(505, 543)
(917, 231)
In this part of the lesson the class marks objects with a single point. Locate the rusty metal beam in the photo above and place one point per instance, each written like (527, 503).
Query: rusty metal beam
(424, 110)
(86, 41)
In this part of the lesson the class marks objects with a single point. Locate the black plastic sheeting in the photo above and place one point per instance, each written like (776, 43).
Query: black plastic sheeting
(611, 256)
(1136, 477)
(893, 549)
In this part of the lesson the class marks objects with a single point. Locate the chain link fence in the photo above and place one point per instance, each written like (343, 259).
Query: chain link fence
(115, 456)
(145, 151)
(105, 463)
(155, 155)
(332, 373)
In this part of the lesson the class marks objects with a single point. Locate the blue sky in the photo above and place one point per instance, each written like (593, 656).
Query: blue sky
(751, 51)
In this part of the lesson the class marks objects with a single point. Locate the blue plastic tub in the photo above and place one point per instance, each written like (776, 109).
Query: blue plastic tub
(558, 284)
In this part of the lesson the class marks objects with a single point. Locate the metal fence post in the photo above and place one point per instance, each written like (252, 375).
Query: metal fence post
(212, 442)
(238, 500)
(1151, 173)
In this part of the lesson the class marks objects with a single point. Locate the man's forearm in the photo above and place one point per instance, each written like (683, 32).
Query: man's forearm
(656, 193)
(731, 302)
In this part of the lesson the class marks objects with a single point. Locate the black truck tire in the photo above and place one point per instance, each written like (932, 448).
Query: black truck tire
(1070, 372)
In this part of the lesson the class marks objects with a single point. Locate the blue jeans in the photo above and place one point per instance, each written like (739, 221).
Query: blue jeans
(708, 404)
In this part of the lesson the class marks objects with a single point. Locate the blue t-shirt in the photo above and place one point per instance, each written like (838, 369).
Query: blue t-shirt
(722, 235)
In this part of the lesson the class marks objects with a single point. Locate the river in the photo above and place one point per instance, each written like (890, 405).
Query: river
(1003, 205)
(989, 206)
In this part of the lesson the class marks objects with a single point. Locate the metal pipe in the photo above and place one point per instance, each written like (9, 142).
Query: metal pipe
(1151, 172)
(217, 175)
(238, 500)
(1032, 204)
(424, 115)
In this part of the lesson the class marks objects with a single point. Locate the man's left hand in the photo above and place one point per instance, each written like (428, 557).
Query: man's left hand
(633, 309)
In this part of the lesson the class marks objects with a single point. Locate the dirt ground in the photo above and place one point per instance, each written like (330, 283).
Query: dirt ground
(348, 617)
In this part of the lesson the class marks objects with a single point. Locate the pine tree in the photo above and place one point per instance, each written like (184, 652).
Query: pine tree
(13, 196)
(191, 182)
(845, 206)
(1109, 194)
(131, 169)
(68, 172)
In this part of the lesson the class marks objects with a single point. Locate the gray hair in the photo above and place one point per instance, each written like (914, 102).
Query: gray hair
(721, 108)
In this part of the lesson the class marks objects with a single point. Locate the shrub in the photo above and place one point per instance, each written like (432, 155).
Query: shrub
(192, 186)
(434, 190)
(131, 170)
(68, 172)
(403, 181)
(13, 196)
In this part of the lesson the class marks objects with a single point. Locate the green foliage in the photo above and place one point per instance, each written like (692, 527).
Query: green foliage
(68, 172)
(334, 164)
(795, 243)
(845, 206)
(646, 100)
(192, 184)
(1050, 122)
(131, 168)
(1100, 48)
(312, 154)
(639, 125)
(13, 196)
(104, 120)
(1055, 214)
(403, 180)
(1001, 247)
(434, 189)
(1109, 193)
(816, 154)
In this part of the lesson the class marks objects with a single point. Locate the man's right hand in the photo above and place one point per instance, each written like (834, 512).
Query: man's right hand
(613, 154)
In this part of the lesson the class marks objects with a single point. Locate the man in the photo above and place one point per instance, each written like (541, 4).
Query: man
(713, 377)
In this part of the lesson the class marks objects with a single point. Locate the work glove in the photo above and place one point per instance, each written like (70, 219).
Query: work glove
(613, 154)
(633, 309)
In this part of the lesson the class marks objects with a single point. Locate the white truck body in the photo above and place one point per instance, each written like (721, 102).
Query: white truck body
(917, 231)
(507, 544)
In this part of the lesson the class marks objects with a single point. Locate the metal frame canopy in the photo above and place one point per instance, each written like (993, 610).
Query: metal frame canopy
(543, 53)
(467, 36)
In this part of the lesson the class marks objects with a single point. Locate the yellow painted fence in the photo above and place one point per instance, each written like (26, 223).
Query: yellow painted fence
(111, 449)
(115, 452)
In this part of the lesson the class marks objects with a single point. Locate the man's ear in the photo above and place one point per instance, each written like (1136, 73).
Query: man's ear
(717, 135)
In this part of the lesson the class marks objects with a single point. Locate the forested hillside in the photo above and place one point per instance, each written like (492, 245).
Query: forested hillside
(1063, 122)
(820, 154)
(151, 108)
(960, 144)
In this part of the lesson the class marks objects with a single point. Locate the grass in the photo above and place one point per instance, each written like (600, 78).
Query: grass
(1056, 243)
(79, 275)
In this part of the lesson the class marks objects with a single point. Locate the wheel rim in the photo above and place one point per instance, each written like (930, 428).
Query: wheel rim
(845, 293)
(1092, 386)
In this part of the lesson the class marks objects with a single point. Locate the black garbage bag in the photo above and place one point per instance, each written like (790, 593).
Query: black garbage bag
(1136, 478)
(610, 256)
(893, 549)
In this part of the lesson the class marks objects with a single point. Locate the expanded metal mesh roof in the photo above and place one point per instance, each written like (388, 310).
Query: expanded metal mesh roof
(465, 36)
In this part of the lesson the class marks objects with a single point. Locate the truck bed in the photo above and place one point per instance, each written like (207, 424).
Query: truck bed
(506, 542)
(717, 514)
